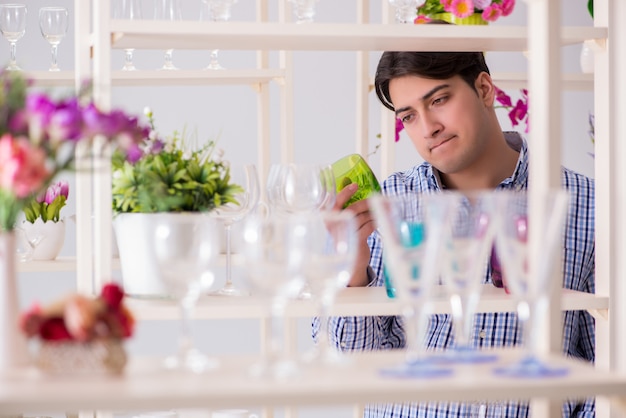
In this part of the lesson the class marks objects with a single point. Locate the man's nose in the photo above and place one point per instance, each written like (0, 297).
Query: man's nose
(431, 126)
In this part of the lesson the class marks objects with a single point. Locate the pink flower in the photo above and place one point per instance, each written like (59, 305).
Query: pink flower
(462, 8)
(422, 19)
(22, 167)
(60, 188)
(507, 7)
(492, 13)
(482, 4)
(399, 128)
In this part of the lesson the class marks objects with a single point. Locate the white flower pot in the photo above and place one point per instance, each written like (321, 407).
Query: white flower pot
(48, 238)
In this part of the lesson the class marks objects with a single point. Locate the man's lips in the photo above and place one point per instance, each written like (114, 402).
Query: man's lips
(438, 144)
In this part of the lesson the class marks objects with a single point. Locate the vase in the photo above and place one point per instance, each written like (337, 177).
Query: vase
(13, 347)
(49, 237)
(475, 19)
(106, 356)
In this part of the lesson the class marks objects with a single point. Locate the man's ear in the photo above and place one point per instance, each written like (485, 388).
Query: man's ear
(485, 88)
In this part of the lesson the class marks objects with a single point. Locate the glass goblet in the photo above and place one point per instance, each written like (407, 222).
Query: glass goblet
(413, 229)
(128, 10)
(406, 10)
(185, 246)
(215, 11)
(53, 22)
(332, 243)
(303, 10)
(531, 290)
(13, 27)
(245, 201)
(169, 10)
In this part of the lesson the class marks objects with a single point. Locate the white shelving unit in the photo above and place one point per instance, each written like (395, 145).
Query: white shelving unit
(143, 387)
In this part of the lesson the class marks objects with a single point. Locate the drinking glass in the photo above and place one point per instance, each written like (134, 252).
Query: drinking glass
(465, 260)
(531, 291)
(169, 10)
(215, 11)
(354, 169)
(275, 250)
(332, 243)
(185, 246)
(13, 27)
(128, 10)
(406, 10)
(245, 200)
(303, 10)
(300, 188)
(53, 22)
(414, 229)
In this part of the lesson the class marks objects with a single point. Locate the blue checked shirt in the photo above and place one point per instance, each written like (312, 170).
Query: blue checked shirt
(490, 329)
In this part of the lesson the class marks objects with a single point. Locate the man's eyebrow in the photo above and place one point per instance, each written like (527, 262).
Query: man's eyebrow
(424, 97)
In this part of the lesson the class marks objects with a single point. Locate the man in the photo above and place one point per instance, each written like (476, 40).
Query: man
(446, 103)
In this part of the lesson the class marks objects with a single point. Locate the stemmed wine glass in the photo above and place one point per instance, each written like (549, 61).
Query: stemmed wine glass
(331, 254)
(303, 10)
(406, 10)
(414, 229)
(245, 200)
(185, 246)
(130, 10)
(300, 188)
(465, 260)
(13, 27)
(530, 289)
(53, 22)
(275, 250)
(215, 11)
(169, 10)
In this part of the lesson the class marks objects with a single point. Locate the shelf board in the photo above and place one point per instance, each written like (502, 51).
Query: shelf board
(145, 383)
(353, 301)
(51, 78)
(195, 77)
(330, 37)
(570, 82)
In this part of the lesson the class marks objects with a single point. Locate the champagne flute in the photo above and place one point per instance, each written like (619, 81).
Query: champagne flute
(169, 10)
(245, 200)
(13, 27)
(130, 10)
(53, 22)
(331, 254)
(530, 291)
(185, 246)
(215, 11)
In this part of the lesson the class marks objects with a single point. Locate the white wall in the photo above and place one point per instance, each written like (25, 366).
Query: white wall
(324, 120)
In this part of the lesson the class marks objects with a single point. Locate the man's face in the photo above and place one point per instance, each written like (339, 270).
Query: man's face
(446, 120)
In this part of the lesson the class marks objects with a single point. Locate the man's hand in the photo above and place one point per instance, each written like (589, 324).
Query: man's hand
(365, 226)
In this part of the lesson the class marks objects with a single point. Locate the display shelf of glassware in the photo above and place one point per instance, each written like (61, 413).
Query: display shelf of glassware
(146, 384)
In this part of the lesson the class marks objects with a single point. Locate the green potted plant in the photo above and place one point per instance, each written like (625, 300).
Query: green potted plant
(166, 176)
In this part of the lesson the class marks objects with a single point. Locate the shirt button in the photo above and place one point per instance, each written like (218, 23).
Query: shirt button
(343, 345)
(482, 334)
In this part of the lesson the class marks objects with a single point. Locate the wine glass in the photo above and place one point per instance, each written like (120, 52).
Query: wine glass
(13, 27)
(465, 259)
(331, 254)
(129, 10)
(300, 188)
(169, 10)
(531, 291)
(406, 10)
(275, 250)
(413, 229)
(53, 22)
(245, 200)
(303, 10)
(215, 11)
(185, 246)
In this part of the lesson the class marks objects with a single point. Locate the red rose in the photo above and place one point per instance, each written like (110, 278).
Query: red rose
(112, 295)
(54, 329)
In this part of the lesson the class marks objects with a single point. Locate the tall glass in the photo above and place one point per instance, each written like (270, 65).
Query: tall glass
(215, 11)
(53, 22)
(169, 10)
(13, 27)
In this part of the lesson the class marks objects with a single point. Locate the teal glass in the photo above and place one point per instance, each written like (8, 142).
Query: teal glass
(411, 235)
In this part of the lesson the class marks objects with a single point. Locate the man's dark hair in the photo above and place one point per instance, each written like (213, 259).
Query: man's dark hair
(435, 65)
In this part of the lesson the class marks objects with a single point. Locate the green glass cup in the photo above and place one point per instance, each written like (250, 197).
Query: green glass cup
(354, 169)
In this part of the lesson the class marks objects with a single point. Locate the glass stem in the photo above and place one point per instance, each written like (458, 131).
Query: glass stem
(54, 65)
(213, 58)
(229, 277)
(169, 60)
(13, 61)
(185, 344)
(128, 59)
(417, 322)
(323, 342)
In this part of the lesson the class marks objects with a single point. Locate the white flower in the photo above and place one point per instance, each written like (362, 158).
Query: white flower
(147, 111)
(482, 4)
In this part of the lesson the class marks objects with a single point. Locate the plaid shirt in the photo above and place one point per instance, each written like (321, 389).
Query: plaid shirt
(490, 329)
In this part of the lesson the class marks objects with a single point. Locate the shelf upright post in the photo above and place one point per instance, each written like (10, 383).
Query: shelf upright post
(544, 81)
(362, 86)
(103, 212)
(285, 59)
(387, 118)
(84, 196)
(263, 104)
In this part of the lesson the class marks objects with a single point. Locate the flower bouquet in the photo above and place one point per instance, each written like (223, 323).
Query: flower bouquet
(488, 10)
(81, 334)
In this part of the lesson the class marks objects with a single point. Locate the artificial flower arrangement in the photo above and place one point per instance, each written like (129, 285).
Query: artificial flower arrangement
(39, 136)
(80, 333)
(169, 177)
(490, 10)
(518, 113)
(48, 205)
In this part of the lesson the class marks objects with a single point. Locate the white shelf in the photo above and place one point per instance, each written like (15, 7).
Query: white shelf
(570, 82)
(330, 37)
(355, 301)
(195, 77)
(145, 385)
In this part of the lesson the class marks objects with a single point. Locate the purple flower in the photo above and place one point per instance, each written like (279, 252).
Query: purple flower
(503, 98)
(66, 123)
(399, 128)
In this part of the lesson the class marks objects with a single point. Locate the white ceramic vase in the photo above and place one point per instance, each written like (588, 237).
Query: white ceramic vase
(49, 237)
